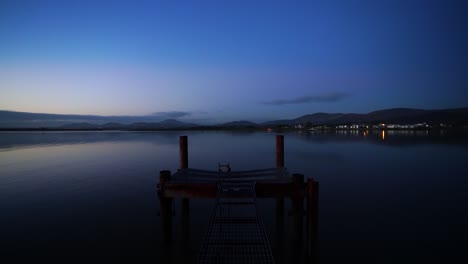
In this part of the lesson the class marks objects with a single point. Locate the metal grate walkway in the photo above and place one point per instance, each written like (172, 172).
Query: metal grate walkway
(236, 232)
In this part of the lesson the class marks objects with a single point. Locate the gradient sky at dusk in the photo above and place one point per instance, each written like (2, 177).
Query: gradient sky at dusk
(228, 60)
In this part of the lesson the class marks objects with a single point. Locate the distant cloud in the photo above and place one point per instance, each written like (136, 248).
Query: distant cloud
(320, 98)
(171, 114)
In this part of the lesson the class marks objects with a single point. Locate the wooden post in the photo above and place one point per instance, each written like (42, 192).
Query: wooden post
(312, 217)
(185, 222)
(298, 214)
(185, 204)
(279, 151)
(183, 152)
(183, 146)
(280, 230)
(165, 208)
(280, 201)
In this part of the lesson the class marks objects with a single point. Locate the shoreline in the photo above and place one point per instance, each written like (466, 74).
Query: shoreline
(232, 129)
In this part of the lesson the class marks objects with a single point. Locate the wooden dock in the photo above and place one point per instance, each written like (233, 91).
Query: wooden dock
(236, 233)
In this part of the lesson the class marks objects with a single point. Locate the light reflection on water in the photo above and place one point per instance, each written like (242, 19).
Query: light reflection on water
(394, 195)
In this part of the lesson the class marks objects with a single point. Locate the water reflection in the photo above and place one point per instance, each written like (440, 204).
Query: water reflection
(15, 140)
(94, 193)
(389, 137)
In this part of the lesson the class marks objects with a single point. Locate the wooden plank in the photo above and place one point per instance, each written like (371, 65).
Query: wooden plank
(208, 190)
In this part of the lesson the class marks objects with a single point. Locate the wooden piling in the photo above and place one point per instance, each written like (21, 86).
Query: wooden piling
(185, 228)
(280, 230)
(183, 152)
(185, 204)
(165, 207)
(298, 215)
(312, 217)
(183, 146)
(279, 151)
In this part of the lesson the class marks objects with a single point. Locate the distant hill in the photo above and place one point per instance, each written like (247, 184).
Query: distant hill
(79, 126)
(165, 124)
(276, 122)
(93, 126)
(395, 115)
(112, 125)
(21, 120)
(319, 118)
(13, 119)
(242, 123)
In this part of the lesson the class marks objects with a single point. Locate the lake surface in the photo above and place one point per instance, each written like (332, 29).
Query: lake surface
(393, 197)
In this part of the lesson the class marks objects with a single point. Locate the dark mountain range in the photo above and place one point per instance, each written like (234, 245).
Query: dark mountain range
(13, 119)
(276, 122)
(165, 124)
(242, 123)
(79, 126)
(319, 118)
(112, 125)
(21, 120)
(395, 115)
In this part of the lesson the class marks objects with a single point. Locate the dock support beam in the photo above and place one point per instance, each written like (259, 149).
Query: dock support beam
(280, 202)
(165, 206)
(185, 222)
(312, 218)
(183, 143)
(280, 230)
(298, 214)
(279, 151)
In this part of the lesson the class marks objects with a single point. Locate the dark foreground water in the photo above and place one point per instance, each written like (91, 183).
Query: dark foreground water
(399, 197)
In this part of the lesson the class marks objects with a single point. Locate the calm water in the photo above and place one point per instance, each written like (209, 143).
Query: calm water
(394, 198)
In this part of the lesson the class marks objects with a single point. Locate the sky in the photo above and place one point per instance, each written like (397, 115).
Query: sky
(211, 61)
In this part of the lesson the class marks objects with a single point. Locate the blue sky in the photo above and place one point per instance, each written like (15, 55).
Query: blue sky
(228, 60)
